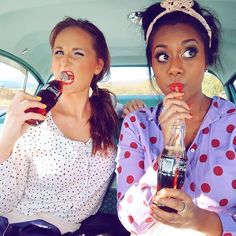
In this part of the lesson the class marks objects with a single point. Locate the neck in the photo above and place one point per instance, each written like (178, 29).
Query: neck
(74, 105)
(199, 106)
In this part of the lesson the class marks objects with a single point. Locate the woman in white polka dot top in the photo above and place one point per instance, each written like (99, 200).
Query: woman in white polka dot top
(182, 41)
(59, 171)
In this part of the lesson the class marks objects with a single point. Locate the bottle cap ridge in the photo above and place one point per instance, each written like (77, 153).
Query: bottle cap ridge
(67, 77)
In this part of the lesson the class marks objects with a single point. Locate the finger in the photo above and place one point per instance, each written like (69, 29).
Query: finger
(133, 105)
(129, 107)
(21, 95)
(26, 104)
(172, 193)
(34, 116)
(126, 110)
(168, 118)
(163, 216)
(168, 103)
(173, 203)
(172, 117)
(173, 109)
(184, 209)
(174, 95)
(139, 103)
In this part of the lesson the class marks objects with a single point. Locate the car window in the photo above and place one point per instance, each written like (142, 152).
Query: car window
(13, 79)
(133, 82)
(212, 86)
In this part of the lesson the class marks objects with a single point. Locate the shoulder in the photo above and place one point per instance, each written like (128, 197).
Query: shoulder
(145, 114)
(224, 107)
(222, 115)
(141, 120)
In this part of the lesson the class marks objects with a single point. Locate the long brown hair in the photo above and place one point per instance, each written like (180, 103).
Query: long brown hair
(103, 120)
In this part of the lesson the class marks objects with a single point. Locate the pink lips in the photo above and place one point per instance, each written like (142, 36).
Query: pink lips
(176, 87)
(67, 77)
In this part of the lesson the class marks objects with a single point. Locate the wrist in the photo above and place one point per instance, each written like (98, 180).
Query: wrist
(209, 223)
(5, 150)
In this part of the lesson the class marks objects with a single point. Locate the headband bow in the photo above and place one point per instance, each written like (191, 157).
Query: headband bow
(184, 6)
(174, 5)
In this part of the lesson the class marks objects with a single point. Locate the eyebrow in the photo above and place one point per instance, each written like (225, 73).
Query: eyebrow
(183, 43)
(74, 49)
(190, 40)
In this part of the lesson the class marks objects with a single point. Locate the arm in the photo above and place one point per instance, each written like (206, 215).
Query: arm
(188, 216)
(13, 176)
(14, 124)
(219, 214)
(13, 161)
(136, 182)
(123, 110)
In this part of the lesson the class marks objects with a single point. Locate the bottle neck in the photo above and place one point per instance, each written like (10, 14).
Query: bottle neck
(55, 86)
(176, 142)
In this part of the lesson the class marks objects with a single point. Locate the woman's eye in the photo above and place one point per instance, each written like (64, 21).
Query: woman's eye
(58, 52)
(162, 57)
(78, 53)
(190, 52)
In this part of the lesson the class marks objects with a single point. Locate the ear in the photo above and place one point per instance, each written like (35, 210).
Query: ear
(99, 66)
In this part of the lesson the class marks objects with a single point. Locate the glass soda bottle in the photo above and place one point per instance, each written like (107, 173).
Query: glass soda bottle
(50, 94)
(173, 160)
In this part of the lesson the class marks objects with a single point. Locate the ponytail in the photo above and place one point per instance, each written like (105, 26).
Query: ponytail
(103, 120)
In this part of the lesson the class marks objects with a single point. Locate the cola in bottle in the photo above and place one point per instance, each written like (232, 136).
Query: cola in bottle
(50, 94)
(173, 160)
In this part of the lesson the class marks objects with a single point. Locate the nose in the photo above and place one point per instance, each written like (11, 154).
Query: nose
(176, 68)
(65, 60)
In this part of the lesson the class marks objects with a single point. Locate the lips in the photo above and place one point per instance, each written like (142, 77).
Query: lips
(67, 77)
(176, 87)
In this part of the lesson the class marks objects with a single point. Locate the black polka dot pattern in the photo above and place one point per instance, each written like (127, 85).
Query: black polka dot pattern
(48, 172)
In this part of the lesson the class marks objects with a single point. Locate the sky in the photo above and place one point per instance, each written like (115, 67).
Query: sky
(8, 72)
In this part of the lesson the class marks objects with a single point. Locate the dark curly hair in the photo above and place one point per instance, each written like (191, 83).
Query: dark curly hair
(172, 18)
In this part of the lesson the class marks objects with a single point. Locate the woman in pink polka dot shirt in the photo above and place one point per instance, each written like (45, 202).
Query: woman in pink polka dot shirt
(182, 41)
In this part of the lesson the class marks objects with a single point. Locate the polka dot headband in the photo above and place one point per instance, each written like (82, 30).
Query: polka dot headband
(182, 6)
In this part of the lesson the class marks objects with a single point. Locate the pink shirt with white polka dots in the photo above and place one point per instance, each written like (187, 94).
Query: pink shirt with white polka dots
(211, 171)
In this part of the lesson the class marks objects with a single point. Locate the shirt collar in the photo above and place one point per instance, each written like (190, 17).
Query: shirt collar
(154, 111)
(218, 109)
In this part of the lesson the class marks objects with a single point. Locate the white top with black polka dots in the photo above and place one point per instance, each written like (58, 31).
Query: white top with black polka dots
(47, 172)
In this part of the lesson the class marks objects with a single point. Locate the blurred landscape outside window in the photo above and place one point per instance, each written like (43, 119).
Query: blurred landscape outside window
(135, 81)
(124, 81)
(12, 80)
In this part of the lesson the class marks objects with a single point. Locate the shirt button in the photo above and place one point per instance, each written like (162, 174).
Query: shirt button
(192, 150)
(187, 174)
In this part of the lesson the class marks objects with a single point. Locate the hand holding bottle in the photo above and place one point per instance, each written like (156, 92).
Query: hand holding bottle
(174, 108)
(188, 214)
(50, 94)
(14, 124)
(173, 159)
(26, 109)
